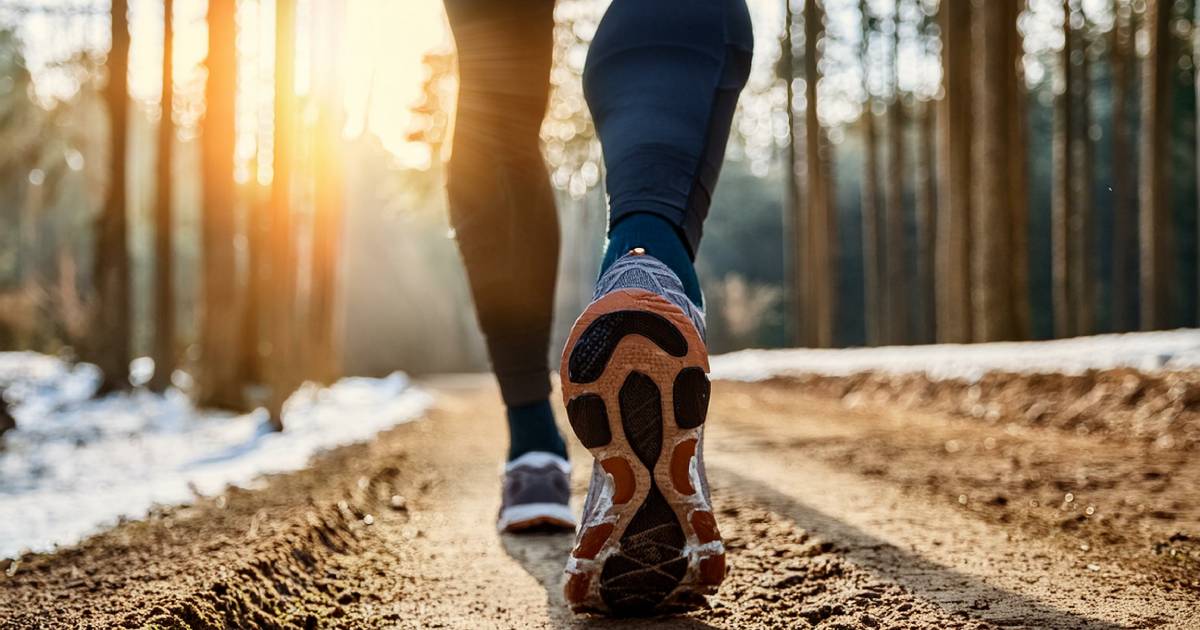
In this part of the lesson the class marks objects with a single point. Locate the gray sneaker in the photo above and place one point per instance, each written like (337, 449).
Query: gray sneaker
(633, 380)
(536, 494)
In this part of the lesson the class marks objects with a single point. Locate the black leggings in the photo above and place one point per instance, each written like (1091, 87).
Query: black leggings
(661, 79)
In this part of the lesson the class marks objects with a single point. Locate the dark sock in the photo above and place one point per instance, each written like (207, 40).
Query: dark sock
(531, 428)
(662, 240)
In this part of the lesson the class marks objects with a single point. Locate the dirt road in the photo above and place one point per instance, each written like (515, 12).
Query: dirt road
(834, 516)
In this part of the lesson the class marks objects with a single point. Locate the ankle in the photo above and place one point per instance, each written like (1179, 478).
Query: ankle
(659, 238)
(531, 427)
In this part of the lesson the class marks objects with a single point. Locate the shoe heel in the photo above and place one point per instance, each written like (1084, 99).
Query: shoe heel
(638, 404)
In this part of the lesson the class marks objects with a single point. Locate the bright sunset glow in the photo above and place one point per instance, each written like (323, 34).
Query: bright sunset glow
(375, 59)
(383, 71)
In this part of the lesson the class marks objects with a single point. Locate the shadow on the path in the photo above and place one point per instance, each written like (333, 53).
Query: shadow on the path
(938, 583)
(544, 555)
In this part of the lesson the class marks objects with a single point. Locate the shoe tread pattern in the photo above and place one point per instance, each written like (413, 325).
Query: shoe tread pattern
(595, 347)
(650, 563)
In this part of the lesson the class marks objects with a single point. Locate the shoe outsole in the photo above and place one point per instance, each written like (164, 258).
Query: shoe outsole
(636, 394)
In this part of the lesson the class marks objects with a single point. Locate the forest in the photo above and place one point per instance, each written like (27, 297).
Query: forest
(218, 188)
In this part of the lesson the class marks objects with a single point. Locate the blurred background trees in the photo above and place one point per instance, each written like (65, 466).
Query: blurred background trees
(217, 382)
(163, 349)
(107, 343)
(250, 191)
(1032, 232)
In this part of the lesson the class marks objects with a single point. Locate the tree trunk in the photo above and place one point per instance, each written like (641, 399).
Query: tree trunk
(999, 197)
(1082, 227)
(926, 201)
(258, 288)
(822, 231)
(1124, 221)
(871, 246)
(1153, 212)
(899, 283)
(1061, 206)
(1017, 130)
(926, 224)
(327, 219)
(797, 265)
(108, 343)
(219, 384)
(164, 286)
(953, 238)
(282, 373)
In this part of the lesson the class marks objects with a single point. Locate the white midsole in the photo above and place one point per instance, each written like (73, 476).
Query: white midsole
(531, 511)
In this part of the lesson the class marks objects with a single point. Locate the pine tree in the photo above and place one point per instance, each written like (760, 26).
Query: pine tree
(282, 372)
(899, 284)
(1061, 206)
(871, 245)
(164, 286)
(1000, 258)
(251, 363)
(797, 263)
(926, 208)
(821, 222)
(1124, 230)
(1082, 249)
(108, 343)
(953, 237)
(219, 383)
(1196, 80)
(327, 213)
(1017, 132)
(1154, 197)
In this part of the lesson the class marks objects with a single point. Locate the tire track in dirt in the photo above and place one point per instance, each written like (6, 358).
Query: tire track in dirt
(829, 516)
(1109, 502)
(273, 557)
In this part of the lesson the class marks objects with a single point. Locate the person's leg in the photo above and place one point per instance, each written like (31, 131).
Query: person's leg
(662, 80)
(501, 204)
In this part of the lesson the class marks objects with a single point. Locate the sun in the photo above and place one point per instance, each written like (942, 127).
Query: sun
(374, 50)
(377, 63)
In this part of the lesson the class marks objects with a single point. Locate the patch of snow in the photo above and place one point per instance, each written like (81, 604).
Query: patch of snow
(1148, 351)
(74, 466)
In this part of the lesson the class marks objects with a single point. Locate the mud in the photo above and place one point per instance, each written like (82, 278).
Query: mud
(840, 510)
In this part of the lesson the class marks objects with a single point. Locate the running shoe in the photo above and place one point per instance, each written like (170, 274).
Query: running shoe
(536, 494)
(636, 391)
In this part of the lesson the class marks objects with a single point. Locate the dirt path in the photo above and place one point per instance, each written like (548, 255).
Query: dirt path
(834, 517)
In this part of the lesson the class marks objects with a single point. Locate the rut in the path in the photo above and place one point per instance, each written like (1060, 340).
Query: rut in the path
(833, 518)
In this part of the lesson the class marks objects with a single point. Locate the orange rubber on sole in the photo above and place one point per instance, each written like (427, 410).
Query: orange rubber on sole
(634, 384)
